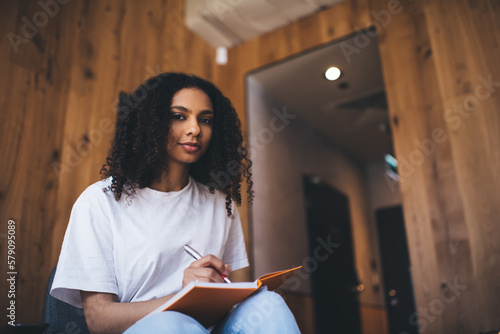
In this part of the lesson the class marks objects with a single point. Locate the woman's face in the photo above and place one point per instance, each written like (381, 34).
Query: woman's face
(191, 126)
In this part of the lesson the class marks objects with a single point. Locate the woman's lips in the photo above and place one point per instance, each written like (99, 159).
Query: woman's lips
(191, 148)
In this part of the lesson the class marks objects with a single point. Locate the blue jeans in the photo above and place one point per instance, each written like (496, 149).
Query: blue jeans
(263, 312)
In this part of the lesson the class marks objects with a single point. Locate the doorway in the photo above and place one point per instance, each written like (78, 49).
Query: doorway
(334, 283)
(397, 270)
(300, 123)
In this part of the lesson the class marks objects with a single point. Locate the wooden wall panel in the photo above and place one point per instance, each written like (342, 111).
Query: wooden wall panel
(465, 36)
(58, 95)
(448, 244)
(34, 91)
(411, 85)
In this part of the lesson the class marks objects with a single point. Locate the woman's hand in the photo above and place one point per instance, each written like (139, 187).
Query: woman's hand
(203, 270)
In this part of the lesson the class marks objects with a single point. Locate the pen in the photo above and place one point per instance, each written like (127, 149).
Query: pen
(191, 251)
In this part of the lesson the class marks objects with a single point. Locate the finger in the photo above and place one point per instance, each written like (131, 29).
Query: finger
(215, 262)
(203, 279)
(188, 277)
(210, 274)
(203, 274)
(190, 274)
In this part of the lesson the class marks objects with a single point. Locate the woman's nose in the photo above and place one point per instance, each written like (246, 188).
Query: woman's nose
(192, 127)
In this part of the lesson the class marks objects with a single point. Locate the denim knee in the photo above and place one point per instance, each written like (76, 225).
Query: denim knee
(268, 310)
(268, 303)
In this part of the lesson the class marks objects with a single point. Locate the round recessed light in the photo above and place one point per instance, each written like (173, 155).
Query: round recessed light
(333, 73)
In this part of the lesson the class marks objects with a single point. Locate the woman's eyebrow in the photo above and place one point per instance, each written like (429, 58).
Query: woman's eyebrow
(207, 111)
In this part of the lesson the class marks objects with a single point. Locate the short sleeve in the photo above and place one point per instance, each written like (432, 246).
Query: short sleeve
(86, 261)
(235, 253)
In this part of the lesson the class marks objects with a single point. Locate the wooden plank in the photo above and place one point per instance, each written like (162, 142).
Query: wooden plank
(93, 74)
(35, 101)
(465, 36)
(410, 80)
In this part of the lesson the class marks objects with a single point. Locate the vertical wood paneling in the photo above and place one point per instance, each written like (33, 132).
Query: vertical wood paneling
(92, 73)
(465, 37)
(435, 46)
(36, 90)
(58, 96)
(404, 48)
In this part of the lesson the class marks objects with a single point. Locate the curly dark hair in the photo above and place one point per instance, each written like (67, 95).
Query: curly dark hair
(139, 150)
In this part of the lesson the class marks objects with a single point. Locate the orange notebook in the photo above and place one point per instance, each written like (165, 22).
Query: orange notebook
(209, 302)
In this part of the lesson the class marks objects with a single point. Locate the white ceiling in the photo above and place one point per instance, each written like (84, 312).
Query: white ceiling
(230, 22)
(351, 118)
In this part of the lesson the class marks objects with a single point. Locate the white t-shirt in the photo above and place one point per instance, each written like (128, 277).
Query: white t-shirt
(134, 247)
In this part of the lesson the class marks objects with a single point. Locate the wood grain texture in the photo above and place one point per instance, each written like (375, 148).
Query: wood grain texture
(411, 97)
(58, 97)
(465, 38)
(33, 109)
(447, 240)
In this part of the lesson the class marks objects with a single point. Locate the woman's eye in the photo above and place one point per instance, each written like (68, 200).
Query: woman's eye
(207, 120)
(177, 116)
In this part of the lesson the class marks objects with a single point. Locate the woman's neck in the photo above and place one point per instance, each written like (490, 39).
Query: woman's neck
(177, 179)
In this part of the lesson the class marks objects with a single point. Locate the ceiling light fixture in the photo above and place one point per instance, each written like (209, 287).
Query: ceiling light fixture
(333, 73)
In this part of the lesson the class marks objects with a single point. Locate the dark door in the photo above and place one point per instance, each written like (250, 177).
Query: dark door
(334, 281)
(396, 270)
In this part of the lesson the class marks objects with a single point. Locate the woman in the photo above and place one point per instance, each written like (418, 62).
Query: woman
(172, 177)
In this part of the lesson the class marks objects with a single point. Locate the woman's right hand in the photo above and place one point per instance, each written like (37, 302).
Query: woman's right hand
(203, 270)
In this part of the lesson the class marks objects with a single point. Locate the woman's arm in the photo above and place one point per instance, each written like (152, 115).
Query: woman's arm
(104, 314)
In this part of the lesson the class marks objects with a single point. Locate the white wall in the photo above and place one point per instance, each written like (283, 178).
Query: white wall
(281, 154)
(383, 192)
